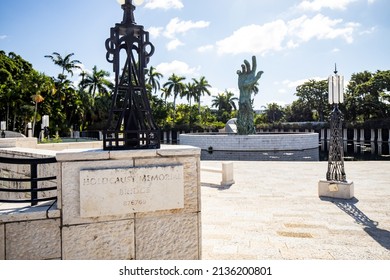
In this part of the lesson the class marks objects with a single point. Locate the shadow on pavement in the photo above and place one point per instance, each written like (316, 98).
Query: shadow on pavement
(216, 186)
(370, 227)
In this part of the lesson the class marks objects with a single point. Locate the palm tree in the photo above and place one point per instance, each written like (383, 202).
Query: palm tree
(225, 101)
(96, 82)
(175, 86)
(153, 78)
(190, 92)
(165, 94)
(201, 89)
(65, 63)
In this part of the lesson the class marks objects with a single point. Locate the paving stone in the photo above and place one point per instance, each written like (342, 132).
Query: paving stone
(273, 212)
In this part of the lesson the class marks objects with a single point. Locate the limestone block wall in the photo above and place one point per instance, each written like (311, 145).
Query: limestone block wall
(59, 231)
(30, 233)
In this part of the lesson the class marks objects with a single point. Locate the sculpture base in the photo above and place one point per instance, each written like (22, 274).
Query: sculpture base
(343, 190)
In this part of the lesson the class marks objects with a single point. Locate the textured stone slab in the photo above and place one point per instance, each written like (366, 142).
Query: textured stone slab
(24, 243)
(82, 154)
(336, 189)
(191, 167)
(119, 191)
(99, 241)
(175, 237)
(2, 243)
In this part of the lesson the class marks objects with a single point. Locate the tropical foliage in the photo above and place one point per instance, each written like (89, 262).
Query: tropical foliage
(26, 95)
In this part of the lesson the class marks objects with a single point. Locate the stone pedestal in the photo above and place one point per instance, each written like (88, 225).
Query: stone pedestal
(343, 190)
(112, 205)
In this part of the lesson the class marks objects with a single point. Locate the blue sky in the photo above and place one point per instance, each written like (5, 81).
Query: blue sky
(293, 40)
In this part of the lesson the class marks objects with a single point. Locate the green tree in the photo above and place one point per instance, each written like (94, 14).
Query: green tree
(314, 95)
(65, 63)
(190, 92)
(225, 103)
(165, 94)
(201, 89)
(175, 87)
(298, 112)
(367, 96)
(274, 112)
(153, 78)
(41, 86)
(14, 88)
(96, 82)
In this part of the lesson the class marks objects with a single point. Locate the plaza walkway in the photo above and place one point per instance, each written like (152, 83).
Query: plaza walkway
(273, 212)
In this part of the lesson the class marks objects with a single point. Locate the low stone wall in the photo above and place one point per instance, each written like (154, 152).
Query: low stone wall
(22, 142)
(267, 146)
(32, 143)
(73, 228)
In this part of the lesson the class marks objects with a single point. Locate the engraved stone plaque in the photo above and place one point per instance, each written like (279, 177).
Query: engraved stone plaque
(120, 191)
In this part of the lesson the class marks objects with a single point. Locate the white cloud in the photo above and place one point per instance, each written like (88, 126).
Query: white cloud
(317, 5)
(164, 4)
(155, 31)
(174, 44)
(294, 84)
(368, 31)
(2, 37)
(176, 67)
(320, 27)
(177, 26)
(371, 1)
(335, 50)
(205, 48)
(254, 39)
(278, 35)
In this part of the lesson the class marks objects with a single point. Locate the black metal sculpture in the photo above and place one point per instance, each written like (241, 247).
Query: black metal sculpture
(336, 171)
(130, 123)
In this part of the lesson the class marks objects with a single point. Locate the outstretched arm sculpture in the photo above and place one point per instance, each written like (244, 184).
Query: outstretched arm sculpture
(247, 78)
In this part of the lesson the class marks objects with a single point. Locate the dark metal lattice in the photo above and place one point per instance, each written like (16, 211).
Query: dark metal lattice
(336, 151)
(130, 123)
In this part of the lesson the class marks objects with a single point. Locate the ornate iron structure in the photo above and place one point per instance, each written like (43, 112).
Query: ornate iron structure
(336, 151)
(130, 123)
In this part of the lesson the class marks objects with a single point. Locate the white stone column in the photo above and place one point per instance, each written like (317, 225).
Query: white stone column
(380, 147)
(355, 135)
(322, 134)
(328, 138)
(178, 137)
(29, 130)
(379, 134)
(165, 137)
(362, 135)
(345, 139)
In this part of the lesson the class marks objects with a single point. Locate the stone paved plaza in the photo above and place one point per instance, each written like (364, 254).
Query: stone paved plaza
(273, 212)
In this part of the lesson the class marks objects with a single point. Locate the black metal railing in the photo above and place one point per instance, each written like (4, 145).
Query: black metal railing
(33, 179)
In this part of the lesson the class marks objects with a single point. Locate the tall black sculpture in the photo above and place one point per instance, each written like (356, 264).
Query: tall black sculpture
(130, 123)
(336, 184)
(336, 152)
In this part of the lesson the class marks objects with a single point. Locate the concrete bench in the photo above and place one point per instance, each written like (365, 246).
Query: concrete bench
(227, 173)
